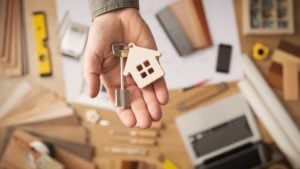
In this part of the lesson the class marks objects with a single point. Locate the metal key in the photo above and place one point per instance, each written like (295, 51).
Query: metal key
(122, 95)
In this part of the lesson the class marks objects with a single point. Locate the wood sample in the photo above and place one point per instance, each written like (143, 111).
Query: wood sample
(290, 81)
(291, 67)
(14, 153)
(75, 134)
(84, 151)
(71, 161)
(3, 13)
(71, 120)
(11, 59)
(185, 24)
(274, 76)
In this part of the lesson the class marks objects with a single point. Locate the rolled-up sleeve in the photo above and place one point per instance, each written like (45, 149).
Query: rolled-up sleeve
(99, 7)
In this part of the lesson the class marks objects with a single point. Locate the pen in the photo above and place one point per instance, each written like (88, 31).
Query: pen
(195, 85)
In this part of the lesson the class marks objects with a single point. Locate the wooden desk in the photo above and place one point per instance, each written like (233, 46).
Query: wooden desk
(170, 142)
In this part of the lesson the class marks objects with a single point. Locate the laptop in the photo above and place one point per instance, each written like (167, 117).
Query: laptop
(218, 128)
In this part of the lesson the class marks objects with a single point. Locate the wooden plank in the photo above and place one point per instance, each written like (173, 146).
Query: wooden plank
(55, 81)
(283, 57)
(202, 19)
(15, 65)
(13, 153)
(71, 161)
(3, 13)
(274, 76)
(71, 120)
(187, 17)
(290, 81)
(75, 134)
(289, 48)
(84, 151)
(15, 97)
(8, 32)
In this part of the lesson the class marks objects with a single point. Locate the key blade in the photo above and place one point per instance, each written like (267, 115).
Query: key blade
(122, 98)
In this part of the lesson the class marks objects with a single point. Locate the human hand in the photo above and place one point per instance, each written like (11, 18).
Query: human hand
(123, 25)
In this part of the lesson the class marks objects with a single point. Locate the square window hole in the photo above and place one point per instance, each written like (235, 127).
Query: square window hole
(139, 67)
(150, 70)
(143, 75)
(146, 63)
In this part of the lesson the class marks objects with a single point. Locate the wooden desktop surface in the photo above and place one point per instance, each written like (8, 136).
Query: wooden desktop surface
(169, 142)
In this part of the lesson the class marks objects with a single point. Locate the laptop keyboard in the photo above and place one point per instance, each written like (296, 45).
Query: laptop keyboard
(220, 136)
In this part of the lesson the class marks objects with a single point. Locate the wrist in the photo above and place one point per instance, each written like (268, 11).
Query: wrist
(99, 7)
(123, 14)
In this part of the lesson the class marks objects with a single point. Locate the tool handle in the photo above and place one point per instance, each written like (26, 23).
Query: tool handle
(148, 133)
(143, 141)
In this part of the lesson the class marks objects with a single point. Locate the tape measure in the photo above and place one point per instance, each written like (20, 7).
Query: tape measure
(260, 51)
(41, 43)
(167, 163)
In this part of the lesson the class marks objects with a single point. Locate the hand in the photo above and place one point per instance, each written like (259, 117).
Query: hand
(124, 25)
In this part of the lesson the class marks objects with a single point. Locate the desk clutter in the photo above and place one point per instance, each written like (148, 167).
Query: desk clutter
(127, 146)
(40, 130)
(119, 134)
(207, 126)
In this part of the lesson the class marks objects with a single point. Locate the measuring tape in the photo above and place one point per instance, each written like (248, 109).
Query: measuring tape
(260, 51)
(41, 43)
(167, 163)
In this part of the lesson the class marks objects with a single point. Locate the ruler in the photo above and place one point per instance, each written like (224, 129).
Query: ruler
(41, 43)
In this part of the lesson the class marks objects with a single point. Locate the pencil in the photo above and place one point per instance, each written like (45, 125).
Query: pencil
(195, 85)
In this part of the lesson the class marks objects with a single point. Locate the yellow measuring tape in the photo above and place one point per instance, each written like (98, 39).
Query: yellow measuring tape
(167, 163)
(41, 43)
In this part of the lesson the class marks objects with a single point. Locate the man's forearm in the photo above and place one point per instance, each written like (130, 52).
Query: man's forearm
(99, 7)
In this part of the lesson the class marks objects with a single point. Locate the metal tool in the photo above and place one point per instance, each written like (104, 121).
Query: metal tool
(122, 95)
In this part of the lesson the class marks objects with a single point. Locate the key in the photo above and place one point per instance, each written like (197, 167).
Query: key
(122, 95)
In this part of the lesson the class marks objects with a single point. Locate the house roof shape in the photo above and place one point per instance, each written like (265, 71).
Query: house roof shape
(137, 55)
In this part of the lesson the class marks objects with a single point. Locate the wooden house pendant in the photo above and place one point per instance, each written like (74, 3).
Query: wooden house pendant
(143, 65)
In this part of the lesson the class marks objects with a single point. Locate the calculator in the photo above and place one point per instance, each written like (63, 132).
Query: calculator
(74, 40)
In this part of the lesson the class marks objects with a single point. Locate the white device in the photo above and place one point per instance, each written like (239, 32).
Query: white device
(74, 40)
(218, 128)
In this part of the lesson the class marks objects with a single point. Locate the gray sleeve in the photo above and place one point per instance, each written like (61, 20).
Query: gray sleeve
(99, 7)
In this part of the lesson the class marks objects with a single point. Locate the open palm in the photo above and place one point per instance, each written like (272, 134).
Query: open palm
(125, 25)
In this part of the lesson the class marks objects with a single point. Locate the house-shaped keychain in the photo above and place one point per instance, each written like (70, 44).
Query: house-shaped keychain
(143, 65)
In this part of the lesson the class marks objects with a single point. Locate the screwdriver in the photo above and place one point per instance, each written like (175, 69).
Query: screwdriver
(137, 141)
(134, 133)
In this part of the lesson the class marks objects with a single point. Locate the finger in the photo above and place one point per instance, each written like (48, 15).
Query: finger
(137, 114)
(161, 91)
(126, 116)
(92, 71)
(139, 108)
(152, 103)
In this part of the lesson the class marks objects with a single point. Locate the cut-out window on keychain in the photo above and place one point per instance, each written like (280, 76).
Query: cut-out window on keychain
(141, 68)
